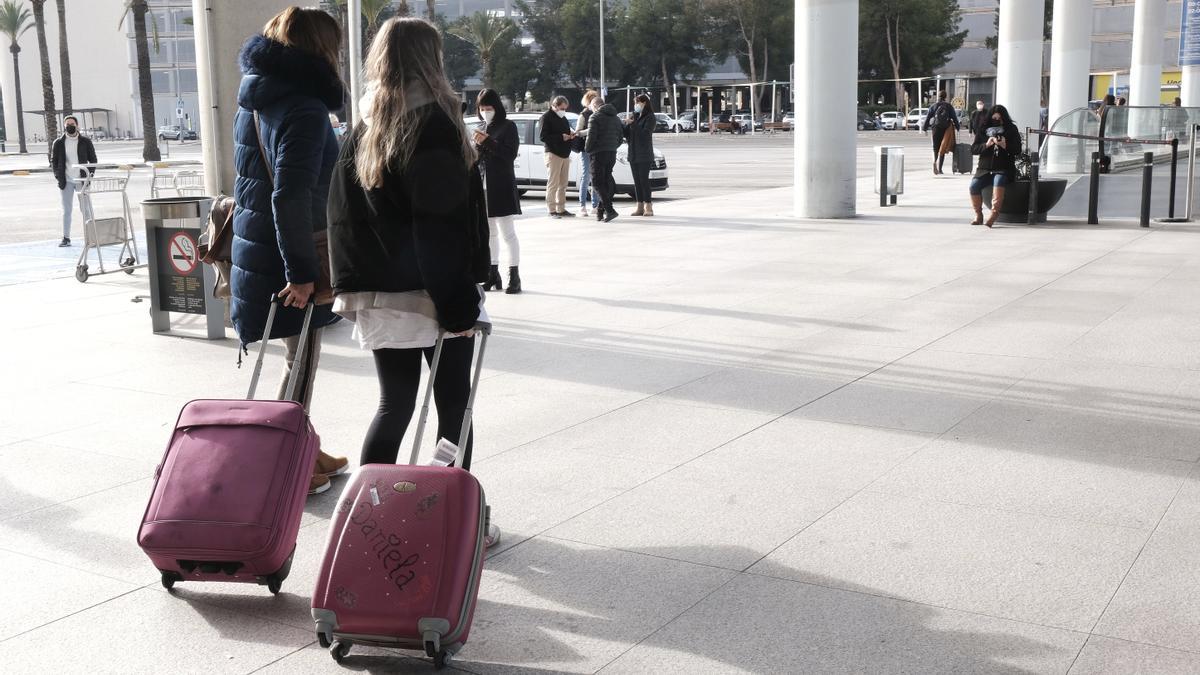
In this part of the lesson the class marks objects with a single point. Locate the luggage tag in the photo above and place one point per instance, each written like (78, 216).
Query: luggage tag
(445, 453)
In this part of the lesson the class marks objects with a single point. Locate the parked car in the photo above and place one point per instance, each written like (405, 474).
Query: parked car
(530, 166)
(866, 122)
(891, 120)
(663, 123)
(745, 120)
(176, 133)
(789, 118)
(686, 121)
(916, 117)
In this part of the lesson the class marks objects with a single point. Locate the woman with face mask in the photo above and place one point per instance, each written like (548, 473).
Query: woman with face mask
(70, 150)
(498, 142)
(639, 132)
(997, 142)
(556, 137)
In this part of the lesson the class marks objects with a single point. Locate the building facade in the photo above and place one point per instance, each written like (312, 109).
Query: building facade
(104, 68)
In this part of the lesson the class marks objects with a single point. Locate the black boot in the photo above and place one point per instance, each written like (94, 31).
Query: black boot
(493, 280)
(514, 281)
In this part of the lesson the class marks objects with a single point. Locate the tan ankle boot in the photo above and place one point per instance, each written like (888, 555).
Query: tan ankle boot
(328, 465)
(649, 209)
(977, 204)
(641, 209)
(997, 204)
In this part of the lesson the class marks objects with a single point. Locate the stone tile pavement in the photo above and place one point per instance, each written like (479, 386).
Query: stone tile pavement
(719, 441)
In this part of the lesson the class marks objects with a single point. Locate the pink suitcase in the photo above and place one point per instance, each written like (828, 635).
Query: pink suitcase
(405, 552)
(230, 491)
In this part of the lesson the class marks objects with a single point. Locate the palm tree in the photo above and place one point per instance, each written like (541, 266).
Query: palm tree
(64, 57)
(14, 21)
(483, 31)
(138, 9)
(372, 10)
(50, 113)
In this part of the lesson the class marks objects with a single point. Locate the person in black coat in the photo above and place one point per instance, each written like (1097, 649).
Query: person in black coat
(498, 143)
(69, 151)
(284, 151)
(603, 138)
(406, 233)
(639, 132)
(556, 136)
(998, 143)
(939, 119)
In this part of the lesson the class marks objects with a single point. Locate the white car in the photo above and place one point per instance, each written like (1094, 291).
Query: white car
(890, 120)
(915, 118)
(530, 166)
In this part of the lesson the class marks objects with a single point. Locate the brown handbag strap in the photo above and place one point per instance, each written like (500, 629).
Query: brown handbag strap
(262, 150)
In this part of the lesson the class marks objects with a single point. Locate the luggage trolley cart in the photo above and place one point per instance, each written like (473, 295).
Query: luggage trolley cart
(100, 232)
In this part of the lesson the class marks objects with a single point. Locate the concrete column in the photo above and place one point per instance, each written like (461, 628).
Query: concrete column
(1190, 88)
(825, 159)
(1145, 67)
(221, 26)
(354, 27)
(1019, 60)
(1070, 56)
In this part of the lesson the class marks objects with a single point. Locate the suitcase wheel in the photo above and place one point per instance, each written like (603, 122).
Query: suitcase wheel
(339, 650)
(439, 660)
(169, 579)
(274, 583)
(322, 640)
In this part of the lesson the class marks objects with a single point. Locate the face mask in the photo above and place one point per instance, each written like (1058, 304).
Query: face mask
(488, 115)
(979, 107)
(71, 129)
(637, 108)
(561, 113)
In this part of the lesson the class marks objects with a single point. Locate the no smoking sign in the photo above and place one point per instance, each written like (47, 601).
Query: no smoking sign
(181, 251)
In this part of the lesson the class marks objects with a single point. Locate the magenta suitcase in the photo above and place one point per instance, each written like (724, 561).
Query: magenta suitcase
(405, 553)
(231, 487)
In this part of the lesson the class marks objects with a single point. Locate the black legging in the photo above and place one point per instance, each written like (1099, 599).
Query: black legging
(641, 180)
(602, 179)
(399, 373)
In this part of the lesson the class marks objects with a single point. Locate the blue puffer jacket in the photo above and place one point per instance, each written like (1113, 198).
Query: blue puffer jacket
(293, 92)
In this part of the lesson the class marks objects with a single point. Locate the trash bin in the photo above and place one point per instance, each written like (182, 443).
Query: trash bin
(179, 281)
(889, 173)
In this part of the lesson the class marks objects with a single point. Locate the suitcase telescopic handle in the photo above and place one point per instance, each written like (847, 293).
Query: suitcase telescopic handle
(300, 349)
(483, 330)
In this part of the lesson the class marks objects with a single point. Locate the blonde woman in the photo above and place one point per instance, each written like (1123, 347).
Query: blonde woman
(402, 213)
(578, 145)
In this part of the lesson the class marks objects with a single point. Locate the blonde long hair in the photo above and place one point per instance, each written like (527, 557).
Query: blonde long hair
(405, 62)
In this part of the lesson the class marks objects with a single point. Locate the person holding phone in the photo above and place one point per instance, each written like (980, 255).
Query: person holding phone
(998, 142)
(498, 143)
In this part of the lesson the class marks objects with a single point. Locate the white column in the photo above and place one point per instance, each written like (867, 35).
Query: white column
(825, 158)
(1019, 60)
(221, 26)
(1070, 56)
(354, 27)
(1145, 67)
(1190, 88)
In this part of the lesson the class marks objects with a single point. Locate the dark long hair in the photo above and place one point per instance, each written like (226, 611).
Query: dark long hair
(647, 108)
(490, 97)
(1005, 119)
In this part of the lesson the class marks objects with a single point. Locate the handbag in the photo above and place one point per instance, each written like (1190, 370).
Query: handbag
(323, 286)
(216, 247)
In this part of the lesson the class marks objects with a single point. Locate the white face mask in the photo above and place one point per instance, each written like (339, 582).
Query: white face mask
(637, 107)
(979, 107)
(488, 115)
(561, 113)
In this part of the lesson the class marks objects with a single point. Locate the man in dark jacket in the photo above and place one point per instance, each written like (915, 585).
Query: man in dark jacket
(605, 132)
(978, 118)
(939, 119)
(69, 151)
(556, 138)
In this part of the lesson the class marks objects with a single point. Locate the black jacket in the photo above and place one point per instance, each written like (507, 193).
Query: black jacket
(294, 92)
(977, 118)
(995, 159)
(553, 127)
(640, 133)
(604, 130)
(421, 230)
(58, 157)
(496, 157)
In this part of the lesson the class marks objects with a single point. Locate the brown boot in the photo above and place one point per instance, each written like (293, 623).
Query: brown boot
(649, 210)
(318, 484)
(328, 465)
(997, 204)
(641, 209)
(977, 204)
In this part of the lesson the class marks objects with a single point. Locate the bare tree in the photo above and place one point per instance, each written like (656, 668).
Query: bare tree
(64, 58)
(49, 108)
(138, 9)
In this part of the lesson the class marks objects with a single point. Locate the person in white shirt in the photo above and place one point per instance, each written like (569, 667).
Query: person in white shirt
(70, 151)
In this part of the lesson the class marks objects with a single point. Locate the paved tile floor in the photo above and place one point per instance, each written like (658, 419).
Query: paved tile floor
(719, 441)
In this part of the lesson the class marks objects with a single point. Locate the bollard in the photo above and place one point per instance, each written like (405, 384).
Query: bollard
(1034, 163)
(1174, 163)
(883, 179)
(1094, 191)
(1147, 178)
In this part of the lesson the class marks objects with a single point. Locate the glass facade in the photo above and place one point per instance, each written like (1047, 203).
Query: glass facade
(172, 60)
